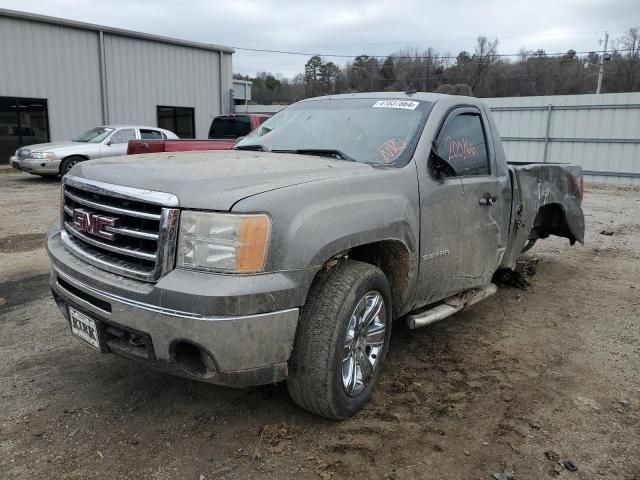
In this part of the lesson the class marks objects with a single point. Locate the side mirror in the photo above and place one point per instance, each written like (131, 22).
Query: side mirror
(439, 168)
(239, 138)
(108, 143)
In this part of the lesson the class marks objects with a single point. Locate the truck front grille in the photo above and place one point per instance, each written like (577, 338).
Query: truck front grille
(124, 230)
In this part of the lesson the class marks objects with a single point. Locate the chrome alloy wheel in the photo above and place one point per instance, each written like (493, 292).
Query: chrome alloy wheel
(364, 343)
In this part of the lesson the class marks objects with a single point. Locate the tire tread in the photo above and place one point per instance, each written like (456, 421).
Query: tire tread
(312, 372)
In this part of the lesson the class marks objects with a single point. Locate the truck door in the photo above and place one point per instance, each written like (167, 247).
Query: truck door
(464, 216)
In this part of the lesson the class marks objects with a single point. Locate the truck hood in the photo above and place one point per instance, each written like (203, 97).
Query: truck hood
(215, 180)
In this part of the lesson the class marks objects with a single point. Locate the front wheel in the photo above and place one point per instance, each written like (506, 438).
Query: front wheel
(68, 163)
(342, 340)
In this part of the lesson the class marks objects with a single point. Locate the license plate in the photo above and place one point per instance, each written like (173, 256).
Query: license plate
(84, 327)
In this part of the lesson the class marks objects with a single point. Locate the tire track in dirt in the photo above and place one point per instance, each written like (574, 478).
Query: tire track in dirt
(18, 292)
(22, 242)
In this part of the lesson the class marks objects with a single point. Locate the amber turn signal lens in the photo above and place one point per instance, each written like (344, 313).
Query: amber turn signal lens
(253, 239)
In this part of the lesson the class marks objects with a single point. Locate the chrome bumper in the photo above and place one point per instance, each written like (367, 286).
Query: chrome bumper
(31, 165)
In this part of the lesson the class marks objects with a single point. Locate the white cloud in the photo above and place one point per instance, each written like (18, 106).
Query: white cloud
(375, 27)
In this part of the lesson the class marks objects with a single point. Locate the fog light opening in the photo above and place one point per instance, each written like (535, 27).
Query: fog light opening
(62, 305)
(193, 359)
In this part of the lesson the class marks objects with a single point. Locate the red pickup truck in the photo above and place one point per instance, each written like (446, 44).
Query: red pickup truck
(224, 131)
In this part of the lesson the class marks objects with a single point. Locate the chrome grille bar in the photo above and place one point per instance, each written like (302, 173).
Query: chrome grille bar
(123, 231)
(110, 208)
(112, 248)
(103, 261)
(145, 196)
(133, 233)
(137, 250)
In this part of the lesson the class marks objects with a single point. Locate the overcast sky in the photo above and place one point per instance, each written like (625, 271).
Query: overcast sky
(374, 27)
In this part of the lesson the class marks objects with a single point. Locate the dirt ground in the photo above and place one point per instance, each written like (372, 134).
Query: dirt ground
(554, 367)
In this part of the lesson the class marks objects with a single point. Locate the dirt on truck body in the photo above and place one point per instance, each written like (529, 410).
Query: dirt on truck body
(215, 267)
(551, 368)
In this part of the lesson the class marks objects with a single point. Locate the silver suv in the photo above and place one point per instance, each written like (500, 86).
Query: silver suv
(57, 158)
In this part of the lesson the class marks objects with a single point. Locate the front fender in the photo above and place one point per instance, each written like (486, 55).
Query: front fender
(336, 226)
(315, 221)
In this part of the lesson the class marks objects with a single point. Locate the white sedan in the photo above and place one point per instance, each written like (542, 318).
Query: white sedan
(57, 158)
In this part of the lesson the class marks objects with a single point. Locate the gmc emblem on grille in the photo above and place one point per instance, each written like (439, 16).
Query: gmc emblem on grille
(94, 224)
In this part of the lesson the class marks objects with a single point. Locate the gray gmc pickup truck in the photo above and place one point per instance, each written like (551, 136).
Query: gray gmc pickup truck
(291, 256)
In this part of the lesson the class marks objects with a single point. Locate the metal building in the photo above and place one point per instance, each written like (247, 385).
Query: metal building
(241, 94)
(59, 78)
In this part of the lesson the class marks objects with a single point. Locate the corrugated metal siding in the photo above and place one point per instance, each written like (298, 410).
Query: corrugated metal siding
(57, 63)
(241, 90)
(142, 75)
(227, 82)
(599, 124)
(61, 64)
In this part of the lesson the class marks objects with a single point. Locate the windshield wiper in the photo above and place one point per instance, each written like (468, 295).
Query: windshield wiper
(256, 147)
(321, 152)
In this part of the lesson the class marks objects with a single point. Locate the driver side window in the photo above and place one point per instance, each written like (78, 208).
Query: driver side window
(461, 142)
(123, 136)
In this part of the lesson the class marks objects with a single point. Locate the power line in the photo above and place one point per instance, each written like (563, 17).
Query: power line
(413, 57)
(448, 39)
(435, 64)
(462, 77)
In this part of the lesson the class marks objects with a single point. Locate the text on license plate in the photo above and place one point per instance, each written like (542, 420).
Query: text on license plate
(84, 327)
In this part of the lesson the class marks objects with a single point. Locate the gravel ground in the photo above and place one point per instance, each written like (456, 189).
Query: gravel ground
(554, 367)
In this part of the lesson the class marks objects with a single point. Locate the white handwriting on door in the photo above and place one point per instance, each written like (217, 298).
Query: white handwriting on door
(460, 148)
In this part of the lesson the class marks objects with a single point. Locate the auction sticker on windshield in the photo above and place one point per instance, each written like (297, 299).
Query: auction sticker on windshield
(84, 327)
(406, 104)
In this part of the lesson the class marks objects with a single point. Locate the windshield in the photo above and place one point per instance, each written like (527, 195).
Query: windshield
(364, 130)
(95, 135)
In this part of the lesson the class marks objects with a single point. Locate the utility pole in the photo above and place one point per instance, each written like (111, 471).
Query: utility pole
(604, 53)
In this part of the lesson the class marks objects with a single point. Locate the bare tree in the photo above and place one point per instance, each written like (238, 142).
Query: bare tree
(483, 58)
(483, 73)
(629, 45)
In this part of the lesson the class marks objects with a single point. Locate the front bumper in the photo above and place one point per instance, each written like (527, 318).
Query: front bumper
(32, 165)
(246, 349)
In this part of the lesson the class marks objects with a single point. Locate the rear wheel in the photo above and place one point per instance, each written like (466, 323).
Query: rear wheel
(68, 163)
(342, 340)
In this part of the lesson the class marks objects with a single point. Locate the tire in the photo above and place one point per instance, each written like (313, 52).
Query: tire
(329, 365)
(68, 163)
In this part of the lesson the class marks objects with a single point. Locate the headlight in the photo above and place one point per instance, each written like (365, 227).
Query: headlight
(43, 155)
(223, 242)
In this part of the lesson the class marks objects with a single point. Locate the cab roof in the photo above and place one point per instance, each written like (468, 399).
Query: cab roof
(423, 96)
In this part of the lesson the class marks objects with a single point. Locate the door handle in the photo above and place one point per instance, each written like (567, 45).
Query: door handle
(488, 200)
(144, 146)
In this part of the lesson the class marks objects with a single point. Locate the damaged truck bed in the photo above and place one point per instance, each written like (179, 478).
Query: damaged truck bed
(290, 256)
(547, 201)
